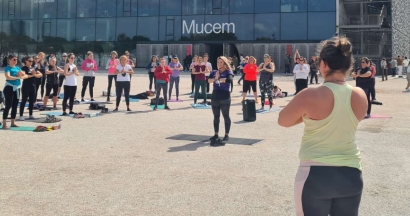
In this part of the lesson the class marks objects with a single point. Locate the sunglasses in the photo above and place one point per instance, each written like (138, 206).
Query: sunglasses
(72, 58)
(14, 59)
(363, 62)
(30, 61)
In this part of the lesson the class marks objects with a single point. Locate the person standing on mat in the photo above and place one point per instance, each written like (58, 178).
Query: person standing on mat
(250, 78)
(329, 179)
(52, 72)
(301, 72)
(123, 72)
(200, 80)
(221, 97)
(266, 70)
(363, 78)
(176, 70)
(151, 69)
(162, 73)
(41, 66)
(383, 65)
(208, 65)
(192, 69)
(313, 70)
(70, 84)
(61, 77)
(89, 67)
(28, 89)
(11, 90)
(130, 63)
(111, 65)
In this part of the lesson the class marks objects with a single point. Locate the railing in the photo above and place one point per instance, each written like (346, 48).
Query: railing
(367, 49)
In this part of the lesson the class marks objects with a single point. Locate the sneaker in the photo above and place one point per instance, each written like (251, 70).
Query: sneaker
(129, 110)
(65, 114)
(155, 108)
(31, 117)
(108, 99)
(58, 97)
(367, 116)
(194, 105)
(214, 137)
(55, 108)
(226, 138)
(92, 99)
(262, 108)
(167, 108)
(21, 118)
(82, 100)
(115, 110)
(72, 113)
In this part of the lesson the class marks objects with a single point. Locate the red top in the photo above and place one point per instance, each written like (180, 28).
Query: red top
(373, 68)
(162, 76)
(250, 72)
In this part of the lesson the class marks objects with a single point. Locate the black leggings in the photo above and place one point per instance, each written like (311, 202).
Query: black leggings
(61, 79)
(369, 103)
(120, 86)
(192, 82)
(223, 106)
(207, 84)
(110, 77)
(164, 87)
(373, 89)
(313, 75)
(27, 92)
(40, 82)
(324, 190)
(301, 84)
(88, 80)
(11, 102)
(69, 93)
(152, 79)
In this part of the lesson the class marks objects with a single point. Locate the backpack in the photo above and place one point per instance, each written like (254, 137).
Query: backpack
(160, 101)
(96, 106)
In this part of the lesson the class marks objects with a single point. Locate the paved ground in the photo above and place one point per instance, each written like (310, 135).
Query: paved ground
(121, 164)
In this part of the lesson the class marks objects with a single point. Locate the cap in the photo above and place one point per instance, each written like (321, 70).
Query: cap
(174, 57)
(64, 55)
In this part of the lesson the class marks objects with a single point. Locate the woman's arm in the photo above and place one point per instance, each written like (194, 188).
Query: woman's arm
(49, 72)
(292, 114)
(180, 67)
(66, 71)
(76, 71)
(107, 66)
(95, 66)
(84, 66)
(272, 68)
(296, 68)
(367, 74)
(130, 71)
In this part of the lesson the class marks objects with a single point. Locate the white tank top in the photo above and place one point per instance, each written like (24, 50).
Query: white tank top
(71, 80)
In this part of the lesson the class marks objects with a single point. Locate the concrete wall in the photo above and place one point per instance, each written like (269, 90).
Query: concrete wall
(400, 27)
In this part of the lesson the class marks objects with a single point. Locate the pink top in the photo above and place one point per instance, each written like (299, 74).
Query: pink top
(112, 65)
(89, 61)
(373, 68)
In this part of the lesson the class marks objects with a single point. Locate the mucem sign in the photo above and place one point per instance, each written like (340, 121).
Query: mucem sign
(207, 28)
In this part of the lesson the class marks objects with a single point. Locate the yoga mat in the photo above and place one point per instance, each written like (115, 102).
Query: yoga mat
(42, 120)
(175, 100)
(56, 113)
(200, 138)
(201, 106)
(21, 128)
(158, 107)
(266, 110)
(379, 116)
(25, 105)
(133, 100)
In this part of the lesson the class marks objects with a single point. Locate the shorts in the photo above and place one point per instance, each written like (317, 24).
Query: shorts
(50, 87)
(247, 85)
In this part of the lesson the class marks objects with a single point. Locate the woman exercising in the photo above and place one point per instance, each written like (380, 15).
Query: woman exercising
(192, 69)
(200, 79)
(176, 68)
(70, 84)
(301, 72)
(249, 82)
(329, 178)
(363, 78)
(151, 67)
(266, 70)
(221, 98)
(89, 67)
(52, 72)
(123, 71)
(11, 90)
(41, 66)
(162, 73)
(28, 89)
(112, 64)
(61, 77)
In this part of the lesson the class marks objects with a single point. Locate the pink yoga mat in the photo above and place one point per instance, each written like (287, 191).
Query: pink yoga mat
(175, 100)
(379, 116)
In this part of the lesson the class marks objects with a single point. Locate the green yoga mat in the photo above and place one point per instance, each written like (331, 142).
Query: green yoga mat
(159, 106)
(21, 128)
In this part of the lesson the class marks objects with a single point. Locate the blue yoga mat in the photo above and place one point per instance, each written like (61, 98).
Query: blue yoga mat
(24, 106)
(21, 128)
(266, 110)
(56, 113)
(133, 100)
(201, 106)
(159, 106)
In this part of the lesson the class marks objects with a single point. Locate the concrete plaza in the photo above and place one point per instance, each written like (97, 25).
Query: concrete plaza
(122, 163)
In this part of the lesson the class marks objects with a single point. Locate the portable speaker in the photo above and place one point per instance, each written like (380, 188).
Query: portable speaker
(249, 110)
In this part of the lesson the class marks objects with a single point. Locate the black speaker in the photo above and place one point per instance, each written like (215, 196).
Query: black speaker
(249, 110)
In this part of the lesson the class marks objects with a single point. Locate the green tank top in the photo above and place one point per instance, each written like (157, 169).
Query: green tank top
(332, 141)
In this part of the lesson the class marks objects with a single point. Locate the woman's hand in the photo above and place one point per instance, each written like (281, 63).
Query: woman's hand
(354, 75)
(222, 80)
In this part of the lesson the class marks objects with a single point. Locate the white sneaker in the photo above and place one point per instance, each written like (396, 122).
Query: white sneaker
(21, 118)
(31, 117)
(194, 105)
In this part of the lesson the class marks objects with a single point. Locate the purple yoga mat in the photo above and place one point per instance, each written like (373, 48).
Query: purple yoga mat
(175, 100)
(379, 116)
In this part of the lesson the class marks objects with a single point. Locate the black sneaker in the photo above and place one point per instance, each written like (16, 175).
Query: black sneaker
(217, 142)
(72, 113)
(167, 108)
(155, 108)
(115, 110)
(82, 100)
(367, 116)
(214, 137)
(92, 99)
(108, 99)
(129, 110)
(64, 114)
(226, 138)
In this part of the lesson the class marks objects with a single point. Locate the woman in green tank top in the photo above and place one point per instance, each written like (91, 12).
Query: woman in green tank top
(329, 178)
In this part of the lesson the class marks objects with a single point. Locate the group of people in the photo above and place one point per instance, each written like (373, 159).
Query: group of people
(398, 67)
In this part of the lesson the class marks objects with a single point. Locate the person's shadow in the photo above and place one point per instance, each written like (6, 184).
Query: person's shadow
(189, 147)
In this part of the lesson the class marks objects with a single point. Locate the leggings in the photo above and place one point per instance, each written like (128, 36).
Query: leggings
(120, 86)
(207, 84)
(373, 89)
(69, 94)
(369, 103)
(223, 106)
(61, 79)
(50, 87)
(313, 75)
(88, 80)
(30, 93)
(171, 85)
(164, 87)
(266, 88)
(328, 190)
(110, 77)
(301, 84)
(40, 82)
(192, 82)
(384, 74)
(152, 79)
(200, 84)
(11, 102)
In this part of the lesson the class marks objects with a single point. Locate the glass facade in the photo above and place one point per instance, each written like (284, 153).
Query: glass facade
(56, 26)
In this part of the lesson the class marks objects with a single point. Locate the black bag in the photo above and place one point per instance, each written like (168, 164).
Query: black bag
(96, 106)
(142, 96)
(249, 110)
(160, 101)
